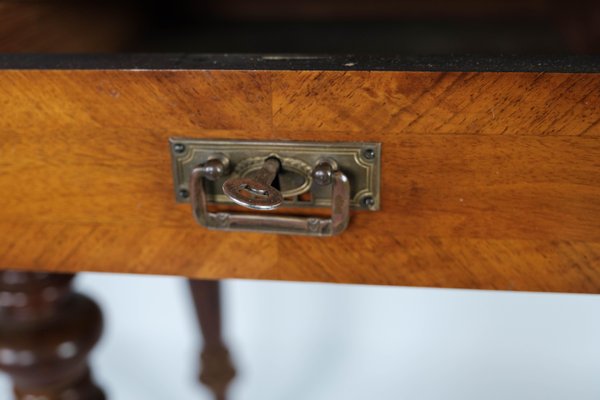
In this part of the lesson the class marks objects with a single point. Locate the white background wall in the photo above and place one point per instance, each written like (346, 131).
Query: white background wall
(294, 341)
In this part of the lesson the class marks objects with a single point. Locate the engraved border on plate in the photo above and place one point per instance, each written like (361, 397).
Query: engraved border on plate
(196, 148)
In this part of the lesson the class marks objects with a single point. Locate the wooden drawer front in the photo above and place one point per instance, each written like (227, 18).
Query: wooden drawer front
(489, 180)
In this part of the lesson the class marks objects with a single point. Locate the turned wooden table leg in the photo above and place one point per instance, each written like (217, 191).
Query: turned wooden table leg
(217, 369)
(46, 333)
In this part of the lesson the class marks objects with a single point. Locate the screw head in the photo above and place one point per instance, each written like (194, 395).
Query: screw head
(368, 201)
(183, 193)
(369, 154)
(179, 148)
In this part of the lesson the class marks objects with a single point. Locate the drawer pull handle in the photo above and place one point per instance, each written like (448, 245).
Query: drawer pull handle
(318, 183)
(257, 193)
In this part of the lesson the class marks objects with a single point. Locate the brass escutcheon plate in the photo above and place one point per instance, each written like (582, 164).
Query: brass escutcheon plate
(359, 161)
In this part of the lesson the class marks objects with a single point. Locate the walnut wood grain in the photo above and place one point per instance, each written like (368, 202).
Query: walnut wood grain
(490, 180)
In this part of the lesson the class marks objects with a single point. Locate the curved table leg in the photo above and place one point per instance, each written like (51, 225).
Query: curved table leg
(217, 369)
(46, 333)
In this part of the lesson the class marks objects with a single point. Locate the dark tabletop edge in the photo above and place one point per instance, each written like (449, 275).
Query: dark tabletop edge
(463, 63)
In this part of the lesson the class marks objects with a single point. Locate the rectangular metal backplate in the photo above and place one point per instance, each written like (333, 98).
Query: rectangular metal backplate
(359, 161)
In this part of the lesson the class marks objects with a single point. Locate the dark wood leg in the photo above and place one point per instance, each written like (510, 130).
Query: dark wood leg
(217, 369)
(46, 333)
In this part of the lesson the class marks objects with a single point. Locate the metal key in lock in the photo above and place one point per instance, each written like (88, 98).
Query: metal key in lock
(256, 192)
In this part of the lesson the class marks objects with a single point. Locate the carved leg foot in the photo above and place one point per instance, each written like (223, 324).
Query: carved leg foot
(46, 333)
(217, 370)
